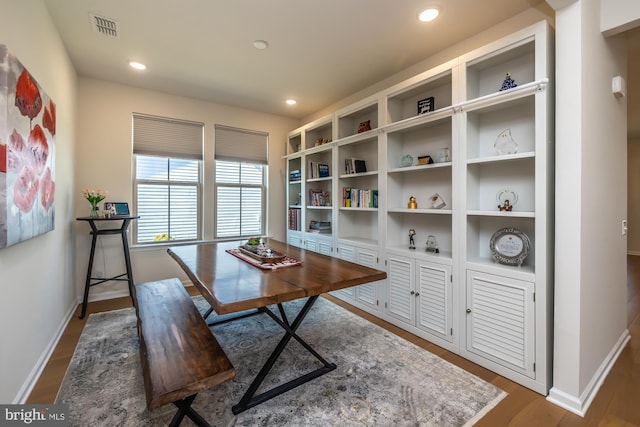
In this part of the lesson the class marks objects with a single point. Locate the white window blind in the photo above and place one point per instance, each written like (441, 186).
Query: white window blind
(168, 179)
(161, 136)
(240, 199)
(233, 144)
(241, 163)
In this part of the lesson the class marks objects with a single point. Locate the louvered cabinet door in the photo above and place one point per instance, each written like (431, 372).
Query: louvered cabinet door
(402, 300)
(325, 247)
(434, 296)
(500, 321)
(311, 245)
(366, 293)
(347, 253)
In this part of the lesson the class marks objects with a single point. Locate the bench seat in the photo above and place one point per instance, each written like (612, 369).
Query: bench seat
(179, 354)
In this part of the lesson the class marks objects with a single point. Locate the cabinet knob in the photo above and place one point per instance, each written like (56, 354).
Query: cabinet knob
(417, 294)
(413, 292)
(468, 310)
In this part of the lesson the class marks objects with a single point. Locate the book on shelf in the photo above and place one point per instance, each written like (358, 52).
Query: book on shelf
(354, 166)
(295, 219)
(359, 198)
(317, 170)
(323, 170)
(319, 197)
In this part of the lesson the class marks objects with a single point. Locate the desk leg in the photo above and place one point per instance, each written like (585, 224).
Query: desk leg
(250, 399)
(127, 262)
(87, 284)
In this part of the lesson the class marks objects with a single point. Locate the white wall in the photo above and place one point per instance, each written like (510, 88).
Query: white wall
(591, 191)
(104, 161)
(633, 196)
(509, 26)
(619, 15)
(37, 276)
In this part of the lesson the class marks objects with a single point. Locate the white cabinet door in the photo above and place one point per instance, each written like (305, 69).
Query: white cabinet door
(366, 293)
(434, 292)
(347, 253)
(294, 239)
(500, 321)
(311, 244)
(325, 247)
(401, 300)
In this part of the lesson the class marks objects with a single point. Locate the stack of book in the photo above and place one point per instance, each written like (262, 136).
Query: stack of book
(295, 176)
(359, 198)
(323, 227)
(294, 218)
(354, 166)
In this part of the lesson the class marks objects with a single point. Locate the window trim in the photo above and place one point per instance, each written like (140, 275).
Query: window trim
(199, 190)
(263, 186)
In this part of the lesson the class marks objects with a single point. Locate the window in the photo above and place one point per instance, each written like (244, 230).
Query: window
(240, 181)
(168, 179)
(240, 199)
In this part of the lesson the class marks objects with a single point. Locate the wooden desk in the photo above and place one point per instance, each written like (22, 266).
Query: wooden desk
(232, 285)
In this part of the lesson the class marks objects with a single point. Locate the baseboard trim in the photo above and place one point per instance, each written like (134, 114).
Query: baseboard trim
(101, 296)
(34, 375)
(580, 405)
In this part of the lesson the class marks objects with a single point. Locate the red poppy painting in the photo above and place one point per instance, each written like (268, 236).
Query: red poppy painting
(27, 154)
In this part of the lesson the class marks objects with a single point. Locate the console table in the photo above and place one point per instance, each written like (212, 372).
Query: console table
(95, 232)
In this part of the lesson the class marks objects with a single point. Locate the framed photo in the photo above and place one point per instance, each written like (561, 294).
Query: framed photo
(426, 105)
(510, 246)
(116, 208)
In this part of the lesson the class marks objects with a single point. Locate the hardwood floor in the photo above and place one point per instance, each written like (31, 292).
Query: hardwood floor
(616, 405)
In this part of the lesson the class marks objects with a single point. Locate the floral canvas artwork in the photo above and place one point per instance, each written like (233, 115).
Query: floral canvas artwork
(27, 154)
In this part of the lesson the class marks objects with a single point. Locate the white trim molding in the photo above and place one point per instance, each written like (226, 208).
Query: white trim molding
(34, 375)
(580, 405)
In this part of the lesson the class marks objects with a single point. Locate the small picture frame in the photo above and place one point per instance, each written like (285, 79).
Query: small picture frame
(116, 208)
(437, 202)
(426, 105)
(424, 160)
(109, 209)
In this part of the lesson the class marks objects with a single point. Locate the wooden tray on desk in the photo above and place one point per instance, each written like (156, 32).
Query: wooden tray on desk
(276, 257)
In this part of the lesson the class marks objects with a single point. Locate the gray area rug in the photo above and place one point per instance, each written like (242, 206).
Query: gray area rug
(381, 379)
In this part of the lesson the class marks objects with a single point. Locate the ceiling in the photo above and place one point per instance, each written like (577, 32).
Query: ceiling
(319, 51)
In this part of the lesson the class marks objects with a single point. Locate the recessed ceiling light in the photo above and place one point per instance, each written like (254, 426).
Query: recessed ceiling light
(428, 14)
(137, 65)
(260, 44)
(291, 101)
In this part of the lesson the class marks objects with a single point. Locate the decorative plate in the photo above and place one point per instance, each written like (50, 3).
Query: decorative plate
(407, 160)
(510, 246)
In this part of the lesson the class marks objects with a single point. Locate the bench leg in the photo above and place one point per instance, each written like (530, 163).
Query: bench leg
(184, 408)
(250, 399)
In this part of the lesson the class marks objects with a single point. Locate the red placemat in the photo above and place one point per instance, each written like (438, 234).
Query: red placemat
(286, 262)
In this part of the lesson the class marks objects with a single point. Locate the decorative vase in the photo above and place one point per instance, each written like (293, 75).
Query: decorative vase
(94, 210)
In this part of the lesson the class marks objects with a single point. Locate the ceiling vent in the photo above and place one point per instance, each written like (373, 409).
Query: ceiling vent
(105, 26)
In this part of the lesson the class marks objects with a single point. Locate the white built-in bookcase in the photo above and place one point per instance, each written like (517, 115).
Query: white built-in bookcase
(496, 315)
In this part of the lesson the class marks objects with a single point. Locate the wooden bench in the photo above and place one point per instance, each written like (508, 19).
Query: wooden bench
(179, 354)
